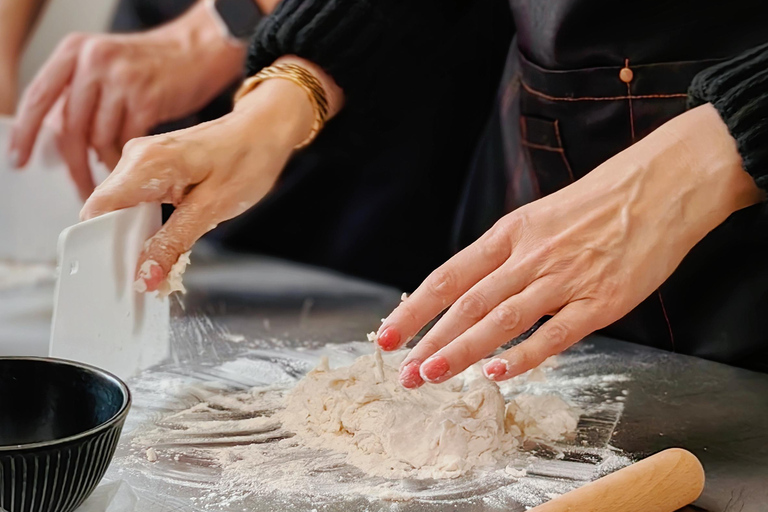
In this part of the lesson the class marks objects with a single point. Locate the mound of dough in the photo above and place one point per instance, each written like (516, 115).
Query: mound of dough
(436, 431)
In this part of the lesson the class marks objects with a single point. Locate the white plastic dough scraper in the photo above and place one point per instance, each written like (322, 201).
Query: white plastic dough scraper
(98, 318)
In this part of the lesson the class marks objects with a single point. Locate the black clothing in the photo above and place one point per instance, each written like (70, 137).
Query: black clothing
(563, 109)
(375, 195)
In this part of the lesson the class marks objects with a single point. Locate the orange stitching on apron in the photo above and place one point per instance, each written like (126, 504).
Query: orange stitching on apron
(562, 150)
(541, 146)
(524, 142)
(605, 98)
(666, 317)
(509, 91)
(629, 99)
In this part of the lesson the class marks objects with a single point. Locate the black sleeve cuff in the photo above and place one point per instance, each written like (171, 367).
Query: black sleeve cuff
(337, 35)
(738, 89)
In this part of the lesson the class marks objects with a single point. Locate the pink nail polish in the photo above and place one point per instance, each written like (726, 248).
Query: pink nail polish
(435, 369)
(151, 273)
(409, 375)
(496, 368)
(389, 339)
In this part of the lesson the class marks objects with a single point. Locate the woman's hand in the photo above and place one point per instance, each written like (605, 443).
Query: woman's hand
(7, 92)
(211, 172)
(587, 254)
(117, 87)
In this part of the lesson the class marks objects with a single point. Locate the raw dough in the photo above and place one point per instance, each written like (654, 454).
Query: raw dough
(543, 416)
(173, 283)
(436, 431)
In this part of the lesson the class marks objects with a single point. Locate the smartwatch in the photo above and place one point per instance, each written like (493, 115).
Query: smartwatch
(236, 18)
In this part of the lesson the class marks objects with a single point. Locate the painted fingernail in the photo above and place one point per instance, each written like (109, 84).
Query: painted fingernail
(496, 368)
(151, 274)
(409, 375)
(389, 338)
(435, 369)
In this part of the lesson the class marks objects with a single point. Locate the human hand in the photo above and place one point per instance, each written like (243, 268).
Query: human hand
(211, 172)
(587, 254)
(113, 88)
(7, 93)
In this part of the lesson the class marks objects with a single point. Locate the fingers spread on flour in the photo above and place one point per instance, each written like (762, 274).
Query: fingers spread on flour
(569, 326)
(506, 281)
(503, 323)
(441, 289)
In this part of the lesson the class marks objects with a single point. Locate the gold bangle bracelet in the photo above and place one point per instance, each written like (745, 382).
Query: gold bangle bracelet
(303, 79)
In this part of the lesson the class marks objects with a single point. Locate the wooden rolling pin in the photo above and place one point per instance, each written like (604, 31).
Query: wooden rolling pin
(664, 482)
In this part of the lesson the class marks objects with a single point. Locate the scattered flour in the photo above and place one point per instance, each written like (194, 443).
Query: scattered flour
(231, 441)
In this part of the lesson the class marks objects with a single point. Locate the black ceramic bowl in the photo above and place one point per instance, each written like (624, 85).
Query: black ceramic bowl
(59, 425)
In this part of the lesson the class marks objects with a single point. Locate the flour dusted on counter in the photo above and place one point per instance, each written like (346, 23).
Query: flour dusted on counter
(436, 431)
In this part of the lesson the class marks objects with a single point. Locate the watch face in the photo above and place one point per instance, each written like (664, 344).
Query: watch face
(240, 16)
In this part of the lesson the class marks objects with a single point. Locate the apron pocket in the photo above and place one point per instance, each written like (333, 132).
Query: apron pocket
(546, 155)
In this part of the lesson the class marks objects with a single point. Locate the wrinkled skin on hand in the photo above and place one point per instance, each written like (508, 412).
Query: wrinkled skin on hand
(211, 172)
(104, 90)
(587, 254)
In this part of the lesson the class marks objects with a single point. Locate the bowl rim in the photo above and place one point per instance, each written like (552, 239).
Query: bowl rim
(116, 418)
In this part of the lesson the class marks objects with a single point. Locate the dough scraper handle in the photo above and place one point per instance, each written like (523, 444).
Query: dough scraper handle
(664, 482)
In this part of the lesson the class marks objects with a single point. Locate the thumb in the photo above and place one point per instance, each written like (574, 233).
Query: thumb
(188, 223)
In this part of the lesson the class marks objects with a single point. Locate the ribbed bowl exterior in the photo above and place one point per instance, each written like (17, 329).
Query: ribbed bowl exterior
(56, 478)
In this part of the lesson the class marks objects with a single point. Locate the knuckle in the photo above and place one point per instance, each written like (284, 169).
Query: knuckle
(136, 148)
(407, 310)
(557, 334)
(74, 40)
(443, 283)
(526, 358)
(506, 316)
(39, 93)
(496, 246)
(472, 306)
(97, 53)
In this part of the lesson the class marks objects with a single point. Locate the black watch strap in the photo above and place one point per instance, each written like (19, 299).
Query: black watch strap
(239, 16)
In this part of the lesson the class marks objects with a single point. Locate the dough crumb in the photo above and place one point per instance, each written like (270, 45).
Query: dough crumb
(543, 416)
(515, 473)
(173, 283)
(372, 337)
(234, 338)
(151, 455)
(403, 297)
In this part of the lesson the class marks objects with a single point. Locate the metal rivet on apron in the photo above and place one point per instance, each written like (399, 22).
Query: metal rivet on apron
(626, 75)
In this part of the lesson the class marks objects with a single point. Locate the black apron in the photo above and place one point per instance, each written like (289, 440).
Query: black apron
(584, 80)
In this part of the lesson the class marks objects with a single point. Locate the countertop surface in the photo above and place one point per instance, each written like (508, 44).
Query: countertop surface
(718, 412)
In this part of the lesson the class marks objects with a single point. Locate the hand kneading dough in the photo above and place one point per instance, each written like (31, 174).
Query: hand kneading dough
(436, 431)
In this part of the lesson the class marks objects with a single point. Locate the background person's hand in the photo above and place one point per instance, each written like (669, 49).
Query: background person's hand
(587, 254)
(211, 172)
(116, 87)
(7, 92)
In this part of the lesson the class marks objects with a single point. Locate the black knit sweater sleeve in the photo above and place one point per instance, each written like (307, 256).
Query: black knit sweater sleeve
(335, 34)
(738, 89)
(382, 53)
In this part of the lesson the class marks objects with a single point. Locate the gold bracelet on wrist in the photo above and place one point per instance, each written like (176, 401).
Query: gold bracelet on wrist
(303, 79)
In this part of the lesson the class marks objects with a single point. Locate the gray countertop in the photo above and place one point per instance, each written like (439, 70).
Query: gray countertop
(718, 412)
